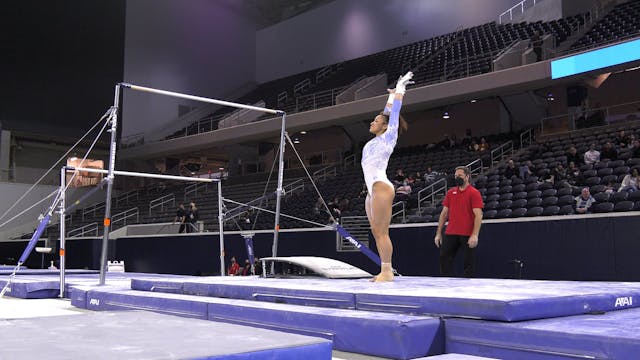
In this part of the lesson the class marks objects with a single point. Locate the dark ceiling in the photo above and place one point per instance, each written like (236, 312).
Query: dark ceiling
(270, 12)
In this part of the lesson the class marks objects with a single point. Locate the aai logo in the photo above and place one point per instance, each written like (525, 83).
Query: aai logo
(624, 301)
(95, 302)
(353, 242)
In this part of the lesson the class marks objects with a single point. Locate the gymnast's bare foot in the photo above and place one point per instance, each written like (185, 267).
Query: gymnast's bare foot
(384, 276)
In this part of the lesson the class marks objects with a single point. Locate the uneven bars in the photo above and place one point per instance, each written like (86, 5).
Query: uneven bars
(199, 98)
(144, 175)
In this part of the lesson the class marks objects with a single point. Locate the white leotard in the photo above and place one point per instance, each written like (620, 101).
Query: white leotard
(377, 151)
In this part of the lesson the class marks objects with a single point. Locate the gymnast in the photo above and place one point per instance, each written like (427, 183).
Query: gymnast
(375, 157)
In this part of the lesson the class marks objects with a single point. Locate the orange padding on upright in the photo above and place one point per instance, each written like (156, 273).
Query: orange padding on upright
(107, 221)
(61, 252)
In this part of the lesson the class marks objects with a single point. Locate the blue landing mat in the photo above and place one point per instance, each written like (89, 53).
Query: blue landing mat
(613, 335)
(9, 268)
(379, 334)
(489, 299)
(455, 357)
(146, 335)
(47, 284)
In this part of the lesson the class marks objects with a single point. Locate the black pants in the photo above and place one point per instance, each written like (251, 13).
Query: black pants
(182, 228)
(449, 248)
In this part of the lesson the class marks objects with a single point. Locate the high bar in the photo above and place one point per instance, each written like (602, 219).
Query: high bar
(144, 175)
(199, 98)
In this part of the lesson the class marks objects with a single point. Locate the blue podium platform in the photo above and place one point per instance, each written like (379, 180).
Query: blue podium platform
(405, 319)
(613, 335)
(395, 336)
(488, 299)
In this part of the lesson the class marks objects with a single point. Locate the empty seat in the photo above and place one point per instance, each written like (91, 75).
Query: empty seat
(566, 210)
(506, 196)
(532, 186)
(534, 194)
(566, 200)
(624, 206)
(549, 192)
(519, 188)
(551, 210)
(491, 205)
(535, 211)
(621, 170)
(601, 197)
(534, 202)
(489, 213)
(564, 191)
(549, 201)
(522, 195)
(634, 196)
(520, 203)
(504, 213)
(619, 196)
(604, 207)
(605, 171)
(520, 212)
(594, 180)
(505, 204)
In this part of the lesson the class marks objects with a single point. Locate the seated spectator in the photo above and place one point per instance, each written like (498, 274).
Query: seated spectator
(635, 149)
(400, 177)
(246, 271)
(474, 147)
(630, 182)
(609, 152)
(447, 142)
(453, 141)
(526, 170)
(621, 140)
(344, 205)
(234, 268)
(319, 206)
(592, 156)
(411, 179)
(430, 175)
(609, 188)
(632, 139)
(334, 207)
(257, 266)
(558, 174)
(510, 170)
(364, 191)
(584, 201)
(484, 145)
(572, 156)
(403, 191)
(417, 177)
(467, 139)
(573, 174)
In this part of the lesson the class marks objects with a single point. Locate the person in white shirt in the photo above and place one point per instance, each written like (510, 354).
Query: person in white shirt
(592, 155)
(630, 182)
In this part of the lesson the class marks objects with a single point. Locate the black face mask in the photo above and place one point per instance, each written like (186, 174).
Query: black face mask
(459, 181)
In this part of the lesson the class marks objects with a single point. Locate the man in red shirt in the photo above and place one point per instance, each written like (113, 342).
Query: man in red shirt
(234, 267)
(463, 207)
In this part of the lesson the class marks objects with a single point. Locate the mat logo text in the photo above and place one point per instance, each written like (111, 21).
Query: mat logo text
(624, 301)
(353, 242)
(95, 302)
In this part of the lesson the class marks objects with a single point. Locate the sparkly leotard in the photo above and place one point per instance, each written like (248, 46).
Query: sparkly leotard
(376, 153)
